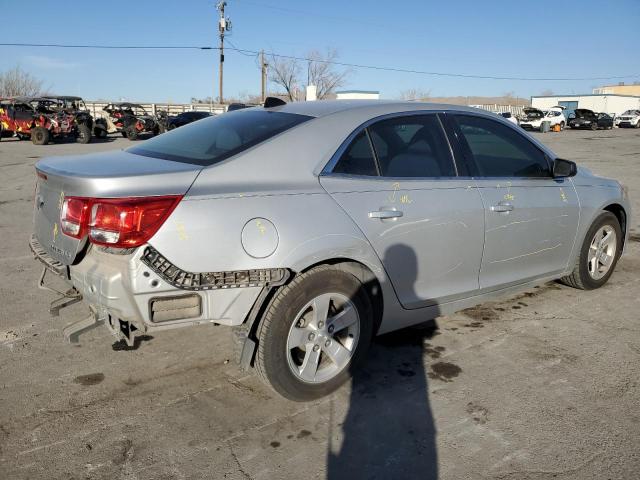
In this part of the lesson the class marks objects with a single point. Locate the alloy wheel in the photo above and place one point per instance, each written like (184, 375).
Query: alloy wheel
(323, 338)
(602, 252)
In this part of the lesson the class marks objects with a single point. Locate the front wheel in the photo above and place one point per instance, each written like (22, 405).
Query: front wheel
(598, 255)
(314, 332)
(84, 134)
(40, 136)
(131, 133)
(594, 126)
(561, 125)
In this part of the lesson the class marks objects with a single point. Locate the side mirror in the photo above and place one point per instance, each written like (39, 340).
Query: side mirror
(564, 168)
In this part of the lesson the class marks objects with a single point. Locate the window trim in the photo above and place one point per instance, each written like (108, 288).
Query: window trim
(335, 158)
(470, 159)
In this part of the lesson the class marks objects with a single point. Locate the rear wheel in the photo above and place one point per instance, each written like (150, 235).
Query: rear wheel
(99, 132)
(314, 332)
(40, 136)
(598, 255)
(594, 126)
(84, 134)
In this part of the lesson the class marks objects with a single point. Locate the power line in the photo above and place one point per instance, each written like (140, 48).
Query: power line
(332, 62)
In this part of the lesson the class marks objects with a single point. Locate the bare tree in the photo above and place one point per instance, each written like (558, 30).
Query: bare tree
(284, 72)
(415, 94)
(320, 71)
(323, 73)
(16, 82)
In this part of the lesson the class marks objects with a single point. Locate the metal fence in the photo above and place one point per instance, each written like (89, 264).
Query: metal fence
(171, 108)
(495, 108)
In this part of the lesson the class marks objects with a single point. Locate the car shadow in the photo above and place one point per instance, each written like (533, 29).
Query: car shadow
(388, 431)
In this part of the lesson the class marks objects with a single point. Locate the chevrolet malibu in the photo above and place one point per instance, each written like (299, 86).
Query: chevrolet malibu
(311, 227)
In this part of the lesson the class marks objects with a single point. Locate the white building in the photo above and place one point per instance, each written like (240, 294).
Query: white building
(611, 104)
(358, 95)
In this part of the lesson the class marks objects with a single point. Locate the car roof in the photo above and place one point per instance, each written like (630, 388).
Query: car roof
(323, 108)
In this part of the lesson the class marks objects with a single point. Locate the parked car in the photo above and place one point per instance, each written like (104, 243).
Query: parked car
(532, 118)
(130, 119)
(33, 117)
(184, 118)
(509, 116)
(585, 118)
(630, 118)
(313, 226)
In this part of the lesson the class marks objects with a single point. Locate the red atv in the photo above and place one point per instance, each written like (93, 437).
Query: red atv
(35, 118)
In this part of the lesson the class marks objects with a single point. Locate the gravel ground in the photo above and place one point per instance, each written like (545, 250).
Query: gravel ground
(541, 385)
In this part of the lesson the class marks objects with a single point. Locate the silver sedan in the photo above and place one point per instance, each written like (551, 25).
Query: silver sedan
(313, 226)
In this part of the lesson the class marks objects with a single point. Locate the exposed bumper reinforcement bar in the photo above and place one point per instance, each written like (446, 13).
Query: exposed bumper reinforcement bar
(73, 331)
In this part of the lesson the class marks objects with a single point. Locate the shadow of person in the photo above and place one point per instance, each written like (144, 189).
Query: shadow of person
(388, 431)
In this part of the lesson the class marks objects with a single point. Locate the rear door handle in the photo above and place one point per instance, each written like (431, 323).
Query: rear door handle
(502, 207)
(382, 214)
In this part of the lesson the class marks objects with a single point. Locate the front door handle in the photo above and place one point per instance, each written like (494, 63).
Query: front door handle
(382, 214)
(502, 207)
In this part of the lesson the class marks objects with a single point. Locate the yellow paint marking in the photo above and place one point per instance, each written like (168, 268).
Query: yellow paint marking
(61, 200)
(405, 199)
(396, 187)
(182, 232)
(563, 196)
(261, 227)
(55, 231)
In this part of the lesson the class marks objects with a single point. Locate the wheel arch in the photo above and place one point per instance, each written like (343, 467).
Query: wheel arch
(621, 214)
(245, 335)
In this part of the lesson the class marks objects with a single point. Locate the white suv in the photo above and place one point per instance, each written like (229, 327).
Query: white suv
(630, 118)
(533, 117)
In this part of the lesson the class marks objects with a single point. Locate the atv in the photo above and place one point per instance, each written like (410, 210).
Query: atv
(35, 118)
(129, 119)
(82, 118)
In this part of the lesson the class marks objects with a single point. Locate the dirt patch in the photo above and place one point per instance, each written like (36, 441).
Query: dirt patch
(90, 379)
(479, 414)
(444, 371)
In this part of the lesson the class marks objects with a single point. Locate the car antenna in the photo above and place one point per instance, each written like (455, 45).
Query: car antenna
(273, 102)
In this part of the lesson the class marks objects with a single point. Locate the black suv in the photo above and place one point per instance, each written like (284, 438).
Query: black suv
(185, 118)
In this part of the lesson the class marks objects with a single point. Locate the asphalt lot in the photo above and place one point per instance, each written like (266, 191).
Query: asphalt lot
(540, 385)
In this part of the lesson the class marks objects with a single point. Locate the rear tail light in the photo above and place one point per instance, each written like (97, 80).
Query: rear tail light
(73, 216)
(116, 222)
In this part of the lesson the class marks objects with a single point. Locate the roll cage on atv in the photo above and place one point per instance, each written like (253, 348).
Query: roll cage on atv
(83, 119)
(130, 119)
(38, 118)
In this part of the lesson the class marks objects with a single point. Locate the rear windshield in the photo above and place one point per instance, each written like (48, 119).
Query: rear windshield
(214, 139)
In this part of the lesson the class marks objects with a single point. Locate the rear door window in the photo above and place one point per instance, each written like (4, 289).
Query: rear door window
(500, 151)
(358, 158)
(412, 146)
(219, 137)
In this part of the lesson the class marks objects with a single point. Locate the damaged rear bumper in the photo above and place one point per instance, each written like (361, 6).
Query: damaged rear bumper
(141, 291)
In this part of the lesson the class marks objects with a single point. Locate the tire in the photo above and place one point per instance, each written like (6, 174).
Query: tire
(638, 124)
(123, 133)
(40, 136)
(282, 366)
(561, 125)
(99, 132)
(594, 126)
(581, 277)
(84, 134)
(131, 133)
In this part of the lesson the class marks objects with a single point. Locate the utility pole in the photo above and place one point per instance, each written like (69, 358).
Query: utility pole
(224, 25)
(263, 68)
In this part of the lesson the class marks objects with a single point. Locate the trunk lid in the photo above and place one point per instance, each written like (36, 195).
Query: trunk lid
(103, 175)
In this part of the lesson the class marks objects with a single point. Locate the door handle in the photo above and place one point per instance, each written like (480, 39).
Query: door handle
(502, 207)
(382, 214)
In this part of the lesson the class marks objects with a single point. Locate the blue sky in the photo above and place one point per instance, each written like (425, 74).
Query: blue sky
(561, 38)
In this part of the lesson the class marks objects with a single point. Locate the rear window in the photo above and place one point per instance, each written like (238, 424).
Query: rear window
(214, 139)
